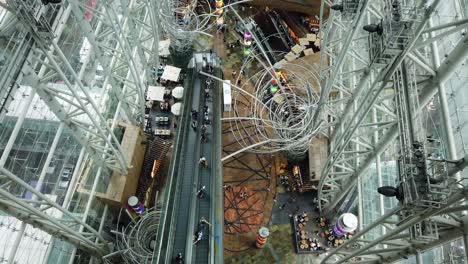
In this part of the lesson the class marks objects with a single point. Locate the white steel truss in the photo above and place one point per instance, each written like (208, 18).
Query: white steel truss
(122, 40)
(123, 58)
(408, 235)
(367, 118)
(34, 212)
(365, 88)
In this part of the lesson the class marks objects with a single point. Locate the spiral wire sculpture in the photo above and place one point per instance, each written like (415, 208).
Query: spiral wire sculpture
(184, 20)
(283, 121)
(137, 241)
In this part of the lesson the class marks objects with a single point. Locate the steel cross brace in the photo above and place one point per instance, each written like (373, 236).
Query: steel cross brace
(340, 141)
(88, 109)
(60, 222)
(127, 88)
(78, 127)
(429, 89)
(366, 248)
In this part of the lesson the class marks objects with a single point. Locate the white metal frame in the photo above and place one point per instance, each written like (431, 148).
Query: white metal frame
(359, 135)
(124, 58)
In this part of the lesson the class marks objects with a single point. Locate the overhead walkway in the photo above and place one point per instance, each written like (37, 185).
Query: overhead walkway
(183, 210)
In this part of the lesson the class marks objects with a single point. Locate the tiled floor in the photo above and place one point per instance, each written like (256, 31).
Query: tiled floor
(293, 204)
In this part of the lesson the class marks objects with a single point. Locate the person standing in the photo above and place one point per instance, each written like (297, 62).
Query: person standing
(203, 222)
(179, 259)
(194, 114)
(203, 162)
(206, 119)
(194, 126)
(201, 192)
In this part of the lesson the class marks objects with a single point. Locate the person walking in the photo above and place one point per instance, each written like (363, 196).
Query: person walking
(234, 73)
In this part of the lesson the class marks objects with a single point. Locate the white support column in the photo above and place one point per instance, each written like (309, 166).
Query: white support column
(14, 249)
(88, 207)
(74, 180)
(442, 93)
(95, 183)
(16, 129)
(379, 170)
(40, 181)
(101, 227)
(419, 258)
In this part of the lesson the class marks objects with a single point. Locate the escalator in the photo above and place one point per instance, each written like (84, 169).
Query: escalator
(188, 170)
(183, 210)
(201, 252)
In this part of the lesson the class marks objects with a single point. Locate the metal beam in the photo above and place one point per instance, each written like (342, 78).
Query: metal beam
(456, 57)
(401, 228)
(30, 214)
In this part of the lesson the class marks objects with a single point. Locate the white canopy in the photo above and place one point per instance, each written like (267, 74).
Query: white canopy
(290, 56)
(155, 93)
(178, 92)
(308, 52)
(297, 49)
(171, 73)
(164, 48)
(175, 108)
(311, 37)
(303, 42)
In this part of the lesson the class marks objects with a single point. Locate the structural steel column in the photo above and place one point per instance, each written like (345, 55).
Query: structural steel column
(456, 57)
(419, 258)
